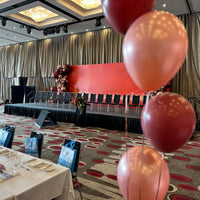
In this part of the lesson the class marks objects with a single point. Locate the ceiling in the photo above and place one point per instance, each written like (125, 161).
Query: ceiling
(69, 18)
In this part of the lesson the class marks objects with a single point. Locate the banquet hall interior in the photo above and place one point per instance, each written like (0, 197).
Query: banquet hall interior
(53, 53)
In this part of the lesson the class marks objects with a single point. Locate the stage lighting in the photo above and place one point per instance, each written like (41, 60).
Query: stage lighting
(28, 28)
(57, 29)
(3, 21)
(98, 21)
(65, 28)
(45, 32)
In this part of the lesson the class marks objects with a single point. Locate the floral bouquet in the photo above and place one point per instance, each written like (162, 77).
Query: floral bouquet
(80, 103)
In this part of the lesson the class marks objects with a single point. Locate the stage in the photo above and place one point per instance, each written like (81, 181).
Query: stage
(104, 116)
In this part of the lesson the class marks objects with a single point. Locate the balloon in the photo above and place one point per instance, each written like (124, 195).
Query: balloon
(154, 49)
(121, 13)
(54, 89)
(55, 75)
(135, 175)
(168, 121)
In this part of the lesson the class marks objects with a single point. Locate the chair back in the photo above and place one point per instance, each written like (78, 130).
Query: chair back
(54, 96)
(10, 129)
(136, 100)
(66, 97)
(78, 149)
(92, 98)
(144, 100)
(100, 98)
(40, 137)
(124, 99)
(108, 98)
(116, 99)
(72, 96)
(37, 96)
(43, 96)
(48, 97)
(79, 95)
(60, 97)
(85, 97)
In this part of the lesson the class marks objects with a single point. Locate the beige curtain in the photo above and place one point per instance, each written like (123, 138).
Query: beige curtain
(187, 80)
(39, 59)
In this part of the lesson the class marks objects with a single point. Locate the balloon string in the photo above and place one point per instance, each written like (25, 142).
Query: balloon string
(126, 121)
(161, 164)
(126, 137)
(145, 111)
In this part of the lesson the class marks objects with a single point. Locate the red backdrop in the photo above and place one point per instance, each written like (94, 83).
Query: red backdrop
(102, 78)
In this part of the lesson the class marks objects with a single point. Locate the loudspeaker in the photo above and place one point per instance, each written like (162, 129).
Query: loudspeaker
(29, 93)
(17, 93)
(23, 81)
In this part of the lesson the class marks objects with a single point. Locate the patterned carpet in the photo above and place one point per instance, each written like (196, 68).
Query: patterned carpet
(101, 151)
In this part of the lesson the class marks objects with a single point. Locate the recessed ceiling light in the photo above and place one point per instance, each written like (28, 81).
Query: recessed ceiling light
(164, 5)
(88, 4)
(3, 1)
(14, 27)
(104, 27)
(38, 13)
(87, 30)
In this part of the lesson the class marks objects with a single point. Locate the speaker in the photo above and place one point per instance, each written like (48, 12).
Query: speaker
(23, 81)
(29, 93)
(17, 93)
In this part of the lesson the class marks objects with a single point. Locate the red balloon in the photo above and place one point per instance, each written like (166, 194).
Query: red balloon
(121, 13)
(54, 89)
(154, 49)
(55, 75)
(135, 175)
(168, 121)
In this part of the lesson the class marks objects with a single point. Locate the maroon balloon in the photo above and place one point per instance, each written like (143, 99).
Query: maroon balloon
(55, 75)
(54, 89)
(121, 13)
(168, 121)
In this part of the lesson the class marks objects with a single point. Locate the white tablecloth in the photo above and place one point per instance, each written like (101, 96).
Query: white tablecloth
(37, 184)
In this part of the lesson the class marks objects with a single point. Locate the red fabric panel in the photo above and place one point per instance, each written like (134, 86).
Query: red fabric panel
(102, 78)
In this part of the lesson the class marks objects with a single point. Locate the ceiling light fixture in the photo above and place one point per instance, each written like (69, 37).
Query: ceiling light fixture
(38, 14)
(164, 5)
(88, 4)
(3, 1)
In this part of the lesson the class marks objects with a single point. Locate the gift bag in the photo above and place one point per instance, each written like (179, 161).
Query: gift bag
(5, 137)
(31, 146)
(67, 156)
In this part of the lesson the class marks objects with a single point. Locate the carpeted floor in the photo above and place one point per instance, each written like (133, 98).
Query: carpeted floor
(101, 151)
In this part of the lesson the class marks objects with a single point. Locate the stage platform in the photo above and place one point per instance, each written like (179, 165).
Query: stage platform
(104, 116)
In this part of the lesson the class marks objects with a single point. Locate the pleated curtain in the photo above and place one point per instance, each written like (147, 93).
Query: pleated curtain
(38, 60)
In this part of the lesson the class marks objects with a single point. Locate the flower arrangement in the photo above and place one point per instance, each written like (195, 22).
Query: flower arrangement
(61, 76)
(80, 103)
